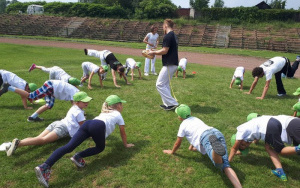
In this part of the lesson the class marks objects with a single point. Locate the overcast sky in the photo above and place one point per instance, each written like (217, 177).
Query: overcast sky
(228, 3)
(236, 3)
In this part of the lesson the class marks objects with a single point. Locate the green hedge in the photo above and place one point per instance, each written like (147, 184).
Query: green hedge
(252, 14)
(15, 7)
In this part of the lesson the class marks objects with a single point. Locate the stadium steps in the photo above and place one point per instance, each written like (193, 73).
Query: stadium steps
(222, 38)
(71, 26)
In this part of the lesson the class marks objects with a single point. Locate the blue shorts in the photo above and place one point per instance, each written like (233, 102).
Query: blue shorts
(204, 141)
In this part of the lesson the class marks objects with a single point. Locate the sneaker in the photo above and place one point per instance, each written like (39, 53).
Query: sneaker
(85, 51)
(4, 89)
(281, 94)
(79, 162)
(283, 75)
(170, 107)
(146, 74)
(163, 106)
(33, 66)
(281, 176)
(13, 147)
(37, 119)
(43, 174)
(154, 73)
(217, 145)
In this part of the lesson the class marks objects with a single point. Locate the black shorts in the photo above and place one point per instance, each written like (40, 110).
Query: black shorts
(293, 131)
(1, 80)
(273, 135)
(112, 61)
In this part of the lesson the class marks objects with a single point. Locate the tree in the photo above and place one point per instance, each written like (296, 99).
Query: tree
(155, 9)
(278, 4)
(219, 4)
(2, 6)
(199, 4)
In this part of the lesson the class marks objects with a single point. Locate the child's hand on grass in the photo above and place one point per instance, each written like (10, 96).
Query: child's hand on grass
(167, 152)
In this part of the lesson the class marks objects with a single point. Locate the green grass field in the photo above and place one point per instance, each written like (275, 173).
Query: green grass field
(147, 126)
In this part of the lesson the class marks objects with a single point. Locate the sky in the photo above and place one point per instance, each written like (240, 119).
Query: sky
(228, 3)
(236, 3)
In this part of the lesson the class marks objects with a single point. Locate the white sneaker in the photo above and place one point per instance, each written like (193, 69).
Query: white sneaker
(155, 73)
(146, 74)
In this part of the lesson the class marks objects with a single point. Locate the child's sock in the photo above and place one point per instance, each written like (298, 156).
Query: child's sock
(280, 171)
(34, 115)
(297, 149)
(11, 88)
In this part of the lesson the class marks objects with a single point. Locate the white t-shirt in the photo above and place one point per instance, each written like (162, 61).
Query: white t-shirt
(182, 63)
(110, 120)
(57, 73)
(90, 67)
(74, 115)
(192, 128)
(63, 90)
(13, 79)
(152, 39)
(254, 129)
(239, 73)
(130, 63)
(273, 66)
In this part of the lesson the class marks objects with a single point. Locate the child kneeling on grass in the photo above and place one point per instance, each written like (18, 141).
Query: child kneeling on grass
(275, 131)
(99, 129)
(205, 139)
(58, 129)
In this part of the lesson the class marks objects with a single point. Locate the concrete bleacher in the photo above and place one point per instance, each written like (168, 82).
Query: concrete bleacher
(285, 40)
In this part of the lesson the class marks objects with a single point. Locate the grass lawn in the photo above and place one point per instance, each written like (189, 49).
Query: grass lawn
(147, 126)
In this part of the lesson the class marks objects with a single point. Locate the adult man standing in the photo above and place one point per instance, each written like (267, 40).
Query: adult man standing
(169, 54)
(276, 66)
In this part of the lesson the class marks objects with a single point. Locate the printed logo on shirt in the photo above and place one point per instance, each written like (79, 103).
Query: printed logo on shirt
(268, 63)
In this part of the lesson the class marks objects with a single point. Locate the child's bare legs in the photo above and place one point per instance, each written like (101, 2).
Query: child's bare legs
(44, 138)
(21, 92)
(232, 177)
(176, 74)
(231, 83)
(184, 73)
(84, 78)
(274, 156)
(42, 109)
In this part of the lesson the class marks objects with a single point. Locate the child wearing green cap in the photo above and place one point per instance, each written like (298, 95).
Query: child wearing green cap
(204, 139)
(50, 90)
(296, 107)
(58, 129)
(181, 67)
(131, 64)
(89, 69)
(99, 129)
(238, 77)
(275, 131)
(56, 73)
(8, 78)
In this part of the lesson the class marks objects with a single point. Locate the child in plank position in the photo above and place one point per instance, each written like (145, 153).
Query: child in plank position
(8, 78)
(182, 67)
(238, 77)
(108, 58)
(57, 73)
(58, 129)
(99, 129)
(205, 139)
(50, 90)
(131, 64)
(89, 69)
(275, 131)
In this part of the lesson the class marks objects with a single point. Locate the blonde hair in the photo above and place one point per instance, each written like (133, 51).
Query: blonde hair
(108, 109)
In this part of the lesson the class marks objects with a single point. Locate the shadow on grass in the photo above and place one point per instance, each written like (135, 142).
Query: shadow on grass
(283, 97)
(118, 157)
(204, 109)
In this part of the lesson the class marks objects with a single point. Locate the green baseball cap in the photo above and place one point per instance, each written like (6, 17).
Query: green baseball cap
(81, 96)
(297, 91)
(237, 81)
(232, 141)
(138, 64)
(297, 107)
(74, 81)
(32, 87)
(179, 68)
(251, 116)
(105, 68)
(113, 99)
(183, 111)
